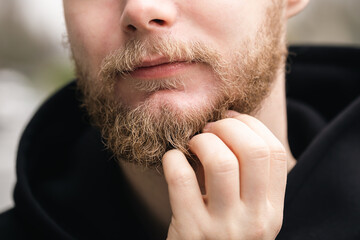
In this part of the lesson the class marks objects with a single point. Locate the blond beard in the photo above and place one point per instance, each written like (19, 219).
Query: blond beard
(142, 136)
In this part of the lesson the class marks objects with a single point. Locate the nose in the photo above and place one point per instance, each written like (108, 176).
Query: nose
(148, 15)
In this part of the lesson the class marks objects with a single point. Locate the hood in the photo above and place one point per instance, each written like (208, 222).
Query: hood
(322, 198)
(69, 187)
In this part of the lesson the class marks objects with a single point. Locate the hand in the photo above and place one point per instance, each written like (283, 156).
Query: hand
(245, 177)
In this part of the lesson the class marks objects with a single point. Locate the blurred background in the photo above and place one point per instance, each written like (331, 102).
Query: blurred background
(35, 62)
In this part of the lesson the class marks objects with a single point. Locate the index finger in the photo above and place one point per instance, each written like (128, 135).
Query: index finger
(184, 191)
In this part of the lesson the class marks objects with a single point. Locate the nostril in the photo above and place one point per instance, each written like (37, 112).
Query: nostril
(131, 28)
(158, 22)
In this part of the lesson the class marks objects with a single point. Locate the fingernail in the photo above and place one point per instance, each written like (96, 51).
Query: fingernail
(207, 127)
(231, 114)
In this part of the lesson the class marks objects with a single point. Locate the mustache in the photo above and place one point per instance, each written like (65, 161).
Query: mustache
(123, 61)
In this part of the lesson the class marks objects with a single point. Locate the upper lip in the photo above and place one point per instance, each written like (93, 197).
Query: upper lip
(155, 61)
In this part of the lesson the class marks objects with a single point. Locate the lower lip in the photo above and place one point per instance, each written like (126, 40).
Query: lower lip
(160, 71)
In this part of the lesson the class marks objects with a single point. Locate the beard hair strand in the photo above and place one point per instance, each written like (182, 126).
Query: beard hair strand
(141, 136)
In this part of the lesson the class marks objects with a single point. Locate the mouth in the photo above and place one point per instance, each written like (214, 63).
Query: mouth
(159, 68)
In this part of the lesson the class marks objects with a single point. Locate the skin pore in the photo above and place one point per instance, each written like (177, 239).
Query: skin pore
(98, 28)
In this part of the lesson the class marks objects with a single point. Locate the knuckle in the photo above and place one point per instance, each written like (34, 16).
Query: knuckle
(246, 118)
(265, 223)
(181, 177)
(223, 163)
(176, 230)
(200, 137)
(232, 230)
(171, 153)
(277, 223)
(196, 138)
(225, 122)
(259, 151)
(259, 229)
(224, 230)
(279, 154)
(259, 233)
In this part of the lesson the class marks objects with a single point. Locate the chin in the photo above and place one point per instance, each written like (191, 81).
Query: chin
(178, 102)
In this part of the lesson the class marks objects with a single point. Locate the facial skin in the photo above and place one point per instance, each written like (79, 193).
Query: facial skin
(212, 70)
(229, 55)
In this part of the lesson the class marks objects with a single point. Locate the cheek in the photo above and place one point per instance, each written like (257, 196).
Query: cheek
(226, 22)
(93, 30)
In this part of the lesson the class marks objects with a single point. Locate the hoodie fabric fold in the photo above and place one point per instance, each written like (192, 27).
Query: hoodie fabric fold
(70, 187)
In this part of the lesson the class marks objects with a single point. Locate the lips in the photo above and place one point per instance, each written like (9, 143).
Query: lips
(150, 62)
(157, 68)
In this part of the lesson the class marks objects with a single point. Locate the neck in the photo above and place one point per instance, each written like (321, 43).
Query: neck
(273, 114)
(151, 187)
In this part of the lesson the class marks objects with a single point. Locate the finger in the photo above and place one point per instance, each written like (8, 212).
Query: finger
(278, 159)
(221, 172)
(253, 155)
(184, 192)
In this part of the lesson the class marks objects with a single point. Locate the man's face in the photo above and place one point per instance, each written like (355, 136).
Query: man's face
(153, 72)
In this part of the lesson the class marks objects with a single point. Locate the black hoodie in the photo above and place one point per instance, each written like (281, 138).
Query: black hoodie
(69, 187)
